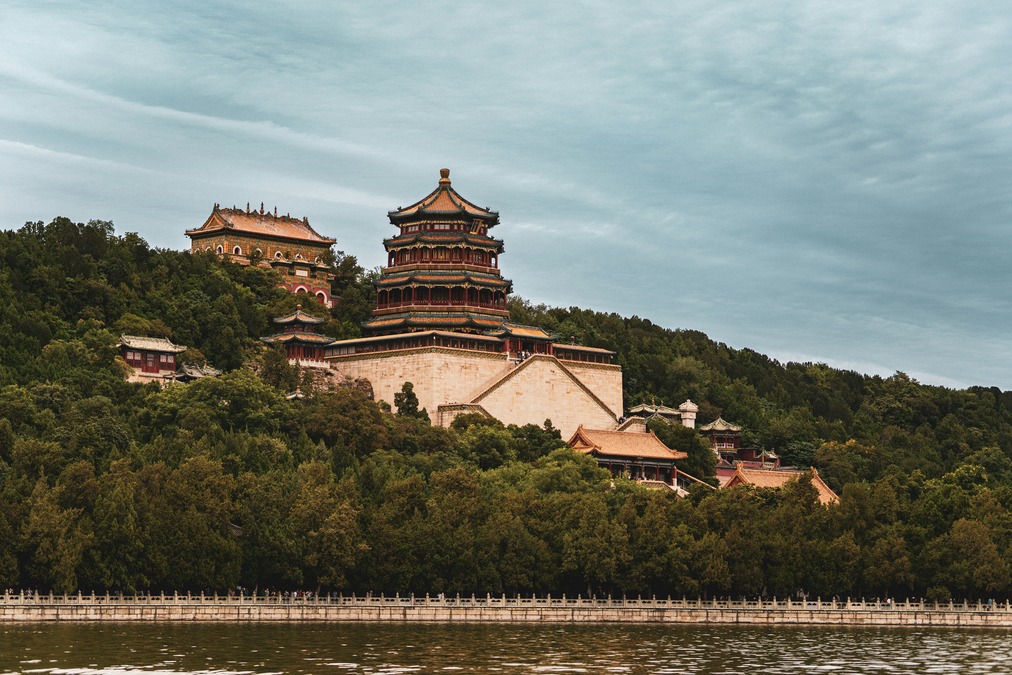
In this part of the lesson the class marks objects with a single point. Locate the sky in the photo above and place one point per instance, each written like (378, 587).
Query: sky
(817, 181)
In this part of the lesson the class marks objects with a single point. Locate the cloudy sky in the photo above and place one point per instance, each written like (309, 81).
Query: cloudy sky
(819, 181)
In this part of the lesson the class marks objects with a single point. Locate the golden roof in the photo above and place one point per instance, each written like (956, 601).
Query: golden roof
(622, 444)
(259, 223)
(315, 338)
(444, 200)
(778, 478)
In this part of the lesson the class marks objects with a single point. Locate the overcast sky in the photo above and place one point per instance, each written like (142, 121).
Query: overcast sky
(819, 181)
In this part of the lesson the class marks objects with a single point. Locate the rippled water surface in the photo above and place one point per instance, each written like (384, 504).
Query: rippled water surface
(107, 649)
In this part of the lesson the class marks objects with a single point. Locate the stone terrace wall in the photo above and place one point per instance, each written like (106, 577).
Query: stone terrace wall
(18, 608)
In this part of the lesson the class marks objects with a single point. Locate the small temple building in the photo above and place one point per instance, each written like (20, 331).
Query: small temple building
(769, 478)
(288, 245)
(441, 322)
(298, 334)
(154, 359)
(631, 454)
(150, 358)
(726, 440)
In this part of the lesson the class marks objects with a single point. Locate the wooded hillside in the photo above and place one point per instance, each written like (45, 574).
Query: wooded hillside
(110, 485)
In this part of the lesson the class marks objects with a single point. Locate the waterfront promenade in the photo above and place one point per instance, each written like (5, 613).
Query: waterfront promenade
(22, 607)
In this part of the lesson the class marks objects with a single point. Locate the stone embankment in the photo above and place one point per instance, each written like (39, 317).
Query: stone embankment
(25, 608)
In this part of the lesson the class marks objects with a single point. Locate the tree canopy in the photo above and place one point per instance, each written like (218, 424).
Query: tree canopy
(225, 481)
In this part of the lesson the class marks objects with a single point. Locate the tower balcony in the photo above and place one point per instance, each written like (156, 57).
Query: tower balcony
(449, 266)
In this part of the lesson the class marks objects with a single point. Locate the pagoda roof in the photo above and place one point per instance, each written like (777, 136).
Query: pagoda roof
(298, 316)
(507, 329)
(778, 478)
(622, 444)
(433, 319)
(720, 424)
(444, 201)
(313, 338)
(415, 334)
(150, 344)
(444, 237)
(396, 278)
(259, 223)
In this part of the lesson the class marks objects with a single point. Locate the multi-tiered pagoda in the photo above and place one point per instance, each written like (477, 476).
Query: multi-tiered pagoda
(442, 324)
(442, 268)
(298, 333)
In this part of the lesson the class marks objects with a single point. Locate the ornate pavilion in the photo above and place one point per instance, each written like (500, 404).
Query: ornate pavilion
(441, 323)
(442, 268)
(297, 333)
(289, 245)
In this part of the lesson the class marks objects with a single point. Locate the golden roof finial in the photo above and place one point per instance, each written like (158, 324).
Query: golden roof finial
(444, 176)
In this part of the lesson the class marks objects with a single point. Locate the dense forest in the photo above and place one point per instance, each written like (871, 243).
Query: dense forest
(227, 481)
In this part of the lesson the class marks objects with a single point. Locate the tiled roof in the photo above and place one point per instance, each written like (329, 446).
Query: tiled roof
(581, 348)
(778, 478)
(515, 329)
(720, 424)
(314, 338)
(260, 223)
(622, 444)
(654, 409)
(416, 334)
(395, 278)
(444, 200)
(297, 316)
(150, 344)
(194, 372)
(445, 237)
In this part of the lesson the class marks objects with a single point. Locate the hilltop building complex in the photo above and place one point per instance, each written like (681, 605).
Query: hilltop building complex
(289, 245)
(441, 323)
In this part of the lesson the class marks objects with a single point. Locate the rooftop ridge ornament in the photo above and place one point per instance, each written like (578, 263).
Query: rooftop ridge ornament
(444, 176)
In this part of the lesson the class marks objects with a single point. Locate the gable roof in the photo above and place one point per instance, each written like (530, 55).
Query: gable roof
(778, 478)
(622, 444)
(150, 344)
(259, 223)
(443, 201)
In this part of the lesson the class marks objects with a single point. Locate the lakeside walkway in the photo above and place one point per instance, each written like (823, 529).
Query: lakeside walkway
(23, 607)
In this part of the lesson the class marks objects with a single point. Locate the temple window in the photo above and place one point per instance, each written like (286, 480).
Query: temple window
(221, 249)
(237, 250)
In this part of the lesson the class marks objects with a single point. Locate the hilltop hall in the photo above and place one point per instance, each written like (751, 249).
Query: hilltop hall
(288, 245)
(441, 323)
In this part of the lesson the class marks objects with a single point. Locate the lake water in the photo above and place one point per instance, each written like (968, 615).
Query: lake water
(108, 649)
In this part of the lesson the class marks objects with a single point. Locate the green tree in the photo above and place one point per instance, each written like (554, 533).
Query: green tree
(406, 403)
